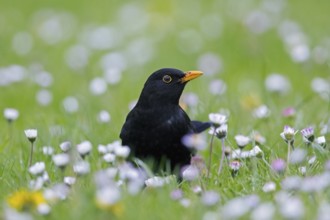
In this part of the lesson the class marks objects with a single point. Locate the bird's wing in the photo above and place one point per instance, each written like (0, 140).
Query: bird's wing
(200, 126)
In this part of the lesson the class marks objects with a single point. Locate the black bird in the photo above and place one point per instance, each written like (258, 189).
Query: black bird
(155, 126)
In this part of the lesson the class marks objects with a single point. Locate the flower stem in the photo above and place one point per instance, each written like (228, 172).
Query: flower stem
(222, 155)
(31, 155)
(210, 158)
(288, 157)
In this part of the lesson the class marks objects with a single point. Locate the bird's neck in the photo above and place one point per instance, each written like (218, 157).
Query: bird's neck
(157, 101)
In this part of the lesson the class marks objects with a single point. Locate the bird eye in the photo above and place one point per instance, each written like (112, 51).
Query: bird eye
(167, 79)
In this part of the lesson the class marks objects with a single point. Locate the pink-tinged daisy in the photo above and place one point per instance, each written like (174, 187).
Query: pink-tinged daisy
(234, 167)
(308, 134)
(288, 134)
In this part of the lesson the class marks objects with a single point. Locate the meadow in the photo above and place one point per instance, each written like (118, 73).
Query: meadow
(73, 69)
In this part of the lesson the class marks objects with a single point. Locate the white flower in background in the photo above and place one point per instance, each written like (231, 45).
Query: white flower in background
(112, 75)
(101, 37)
(155, 182)
(197, 189)
(65, 146)
(321, 86)
(36, 184)
(258, 21)
(278, 165)
(325, 127)
(323, 212)
(321, 141)
(61, 160)
(196, 141)
(217, 87)
(220, 132)
(234, 167)
(135, 186)
(70, 104)
(235, 208)
(102, 149)
(77, 57)
(242, 140)
(128, 172)
(81, 167)
(10, 114)
(298, 156)
(104, 116)
(302, 170)
(12, 74)
(255, 151)
(54, 27)
(176, 194)
(109, 157)
(289, 112)
(269, 187)
(43, 79)
(59, 191)
(277, 83)
(31, 134)
(210, 64)
(112, 146)
(240, 154)
(37, 168)
(218, 119)
(98, 86)
(210, 198)
(107, 196)
(105, 178)
(288, 134)
(43, 209)
(84, 148)
(311, 160)
(291, 183)
(185, 202)
(44, 97)
(190, 173)
(45, 176)
(69, 180)
(258, 138)
(114, 60)
(308, 134)
(263, 211)
(47, 150)
(292, 208)
(261, 112)
(299, 52)
(122, 151)
(190, 99)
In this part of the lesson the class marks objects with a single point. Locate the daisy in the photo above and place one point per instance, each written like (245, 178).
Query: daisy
(10, 114)
(308, 134)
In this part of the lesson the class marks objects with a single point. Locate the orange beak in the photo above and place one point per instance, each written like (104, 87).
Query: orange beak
(190, 75)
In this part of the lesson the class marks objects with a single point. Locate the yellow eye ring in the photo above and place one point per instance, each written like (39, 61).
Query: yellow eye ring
(167, 79)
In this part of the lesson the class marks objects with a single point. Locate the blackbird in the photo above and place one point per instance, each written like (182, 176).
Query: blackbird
(155, 126)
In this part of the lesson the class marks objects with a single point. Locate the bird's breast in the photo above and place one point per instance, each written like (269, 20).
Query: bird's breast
(156, 127)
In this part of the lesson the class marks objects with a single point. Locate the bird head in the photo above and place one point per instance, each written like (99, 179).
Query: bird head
(166, 86)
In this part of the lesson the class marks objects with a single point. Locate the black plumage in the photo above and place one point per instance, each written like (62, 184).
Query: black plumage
(155, 126)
